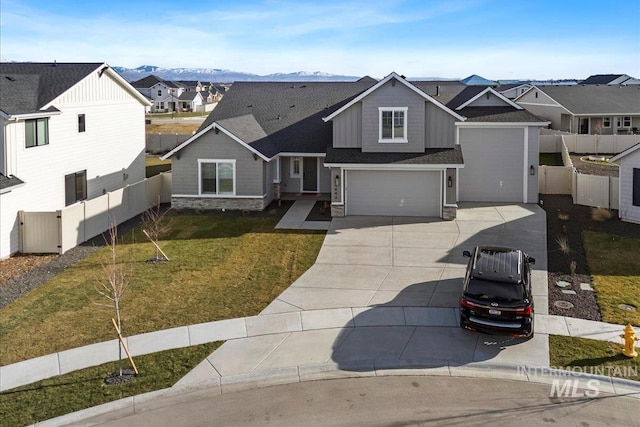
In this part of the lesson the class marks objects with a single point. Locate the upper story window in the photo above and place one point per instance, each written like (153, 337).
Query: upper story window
(393, 124)
(81, 123)
(606, 122)
(36, 132)
(159, 92)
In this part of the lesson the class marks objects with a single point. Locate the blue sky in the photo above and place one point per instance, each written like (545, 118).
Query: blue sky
(430, 38)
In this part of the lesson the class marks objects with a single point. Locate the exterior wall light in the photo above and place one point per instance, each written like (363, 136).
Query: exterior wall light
(532, 170)
(449, 181)
(337, 181)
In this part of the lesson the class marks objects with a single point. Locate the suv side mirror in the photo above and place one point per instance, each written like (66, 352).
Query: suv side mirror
(466, 254)
(531, 260)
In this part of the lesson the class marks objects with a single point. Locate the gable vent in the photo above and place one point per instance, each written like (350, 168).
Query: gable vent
(11, 79)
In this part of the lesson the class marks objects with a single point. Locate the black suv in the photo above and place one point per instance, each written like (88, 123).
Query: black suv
(496, 296)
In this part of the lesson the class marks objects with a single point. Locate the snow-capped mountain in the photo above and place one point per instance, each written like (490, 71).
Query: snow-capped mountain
(217, 75)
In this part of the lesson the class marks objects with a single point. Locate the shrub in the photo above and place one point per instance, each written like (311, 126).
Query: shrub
(601, 214)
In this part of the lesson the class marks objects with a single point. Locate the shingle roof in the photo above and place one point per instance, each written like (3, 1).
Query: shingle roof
(247, 129)
(441, 91)
(188, 96)
(26, 87)
(600, 79)
(499, 115)
(150, 81)
(463, 96)
(7, 182)
(594, 99)
(475, 79)
(290, 113)
(431, 156)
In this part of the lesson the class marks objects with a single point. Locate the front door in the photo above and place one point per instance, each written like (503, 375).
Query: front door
(584, 126)
(310, 174)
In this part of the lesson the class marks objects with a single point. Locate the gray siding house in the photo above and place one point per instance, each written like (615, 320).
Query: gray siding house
(629, 161)
(388, 147)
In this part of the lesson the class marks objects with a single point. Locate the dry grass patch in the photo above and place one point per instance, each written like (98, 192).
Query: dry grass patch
(19, 264)
(563, 243)
(601, 214)
(221, 267)
(182, 128)
(614, 263)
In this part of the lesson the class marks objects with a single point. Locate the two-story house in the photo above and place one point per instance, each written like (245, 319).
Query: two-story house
(164, 95)
(70, 132)
(388, 147)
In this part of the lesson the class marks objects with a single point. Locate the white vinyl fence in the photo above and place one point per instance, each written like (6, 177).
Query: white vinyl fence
(59, 231)
(586, 190)
(587, 144)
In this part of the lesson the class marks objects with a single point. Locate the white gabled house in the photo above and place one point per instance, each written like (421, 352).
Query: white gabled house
(70, 132)
(629, 160)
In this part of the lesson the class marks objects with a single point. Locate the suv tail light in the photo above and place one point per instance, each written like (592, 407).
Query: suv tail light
(524, 311)
(466, 303)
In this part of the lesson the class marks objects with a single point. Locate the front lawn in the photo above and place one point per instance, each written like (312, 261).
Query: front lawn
(222, 266)
(550, 159)
(86, 388)
(614, 263)
(592, 354)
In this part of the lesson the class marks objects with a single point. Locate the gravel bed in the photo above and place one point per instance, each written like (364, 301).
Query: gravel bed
(593, 168)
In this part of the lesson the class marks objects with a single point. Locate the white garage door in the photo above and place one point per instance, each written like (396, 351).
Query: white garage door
(493, 167)
(393, 193)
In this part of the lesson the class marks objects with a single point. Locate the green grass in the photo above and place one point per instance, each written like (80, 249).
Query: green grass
(86, 388)
(155, 166)
(550, 159)
(222, 266)
(582, 352)
(614, 263)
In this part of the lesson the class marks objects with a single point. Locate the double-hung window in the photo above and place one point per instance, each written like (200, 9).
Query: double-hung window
(75, 187)
(82, 124)
(217, 177)
(36, 132)
(606, 122)
(295, 167)
(392, 125)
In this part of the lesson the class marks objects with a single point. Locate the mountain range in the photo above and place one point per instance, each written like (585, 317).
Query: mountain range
(217, 75)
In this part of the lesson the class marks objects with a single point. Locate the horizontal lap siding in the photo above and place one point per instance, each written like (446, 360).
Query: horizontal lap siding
(249, 172)
(627, 210)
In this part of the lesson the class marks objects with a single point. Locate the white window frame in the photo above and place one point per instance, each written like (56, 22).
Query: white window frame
(624, 121)
(392, 140)
(217, 162)
(292, 172)
(606, 120)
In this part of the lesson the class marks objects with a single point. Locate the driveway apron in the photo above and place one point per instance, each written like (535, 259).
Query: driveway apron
(396, 281)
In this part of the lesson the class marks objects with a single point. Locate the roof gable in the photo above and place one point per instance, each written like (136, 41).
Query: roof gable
(625, 153)
(472, 94)
(593, 99)
(381, 83)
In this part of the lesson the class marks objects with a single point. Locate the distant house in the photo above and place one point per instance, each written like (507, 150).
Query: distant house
(513, 90)
(629, 160)
(70, 132)
(165, 95)
(191, 101)
(610, 79)
(389, 147)
(476, 80)
(586, 109)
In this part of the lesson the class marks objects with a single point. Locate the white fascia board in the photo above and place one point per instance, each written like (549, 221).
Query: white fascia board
(551, 98)
(388, 166)
(523, 93)
(606, 114)
(500, 124)
(393, 75)
(625, 152)
(34, 115)
(292, 154)
(215, 125)
(497, 94)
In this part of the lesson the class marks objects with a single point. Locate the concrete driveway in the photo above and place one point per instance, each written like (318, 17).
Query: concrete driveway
(387, 289)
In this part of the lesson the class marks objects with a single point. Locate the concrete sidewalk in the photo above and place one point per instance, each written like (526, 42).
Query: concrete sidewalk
(295, 217)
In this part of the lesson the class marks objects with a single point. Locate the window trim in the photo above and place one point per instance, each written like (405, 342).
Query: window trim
(635, 174)
(624, 119)
(217, 162)
(36, 142)
(393, 140)
(606, 120)
(82, 123)
(75, 176)
(292, 172)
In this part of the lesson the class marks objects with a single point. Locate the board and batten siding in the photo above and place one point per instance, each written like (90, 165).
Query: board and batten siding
(249, 172)
(391, 96)
(111, 149)
(627, 211)
(440, 129)
(543, 106)
(347, 128)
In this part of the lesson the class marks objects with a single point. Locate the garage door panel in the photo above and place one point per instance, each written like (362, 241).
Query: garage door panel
(393, 193)
(493, 171)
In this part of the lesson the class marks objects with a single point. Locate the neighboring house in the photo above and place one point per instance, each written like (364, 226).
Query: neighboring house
(70, 132)
(191, 101)
(164, 94)
(610, 79)
(586, 109)
(388, 147)
(629, 160)
(513, 90)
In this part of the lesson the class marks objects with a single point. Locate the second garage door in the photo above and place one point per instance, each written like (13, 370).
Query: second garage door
(393, 193)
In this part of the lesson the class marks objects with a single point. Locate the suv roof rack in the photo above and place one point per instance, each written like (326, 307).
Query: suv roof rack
(498, 264)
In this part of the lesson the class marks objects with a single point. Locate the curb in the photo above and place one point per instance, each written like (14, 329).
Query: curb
(328, 371)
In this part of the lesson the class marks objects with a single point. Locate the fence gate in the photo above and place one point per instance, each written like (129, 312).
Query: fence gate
(40, 232)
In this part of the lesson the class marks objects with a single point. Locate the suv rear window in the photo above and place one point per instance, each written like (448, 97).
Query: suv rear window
(490, 290)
